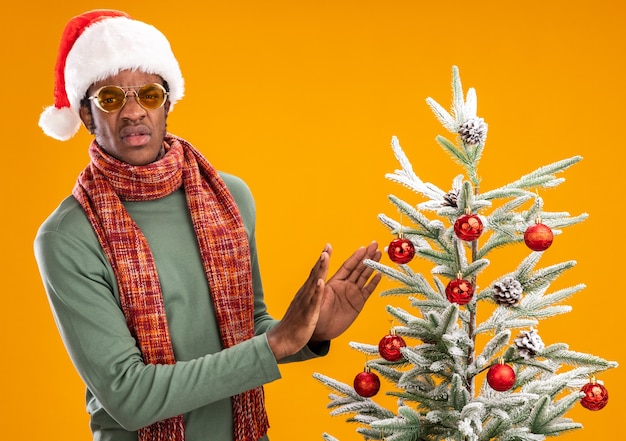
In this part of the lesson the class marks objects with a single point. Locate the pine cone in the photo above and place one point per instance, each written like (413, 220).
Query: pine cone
(473, 131)
(449, 199)
(507, 292)
(529, 343)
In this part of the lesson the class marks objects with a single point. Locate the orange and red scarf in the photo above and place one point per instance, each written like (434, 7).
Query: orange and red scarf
(224, 248)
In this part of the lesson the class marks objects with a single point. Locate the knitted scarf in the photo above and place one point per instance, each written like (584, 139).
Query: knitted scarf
(224, 248)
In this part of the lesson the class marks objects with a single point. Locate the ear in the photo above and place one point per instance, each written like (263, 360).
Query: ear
(87, 118)
(167, 107)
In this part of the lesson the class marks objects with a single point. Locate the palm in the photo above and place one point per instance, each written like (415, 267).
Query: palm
(345, 294)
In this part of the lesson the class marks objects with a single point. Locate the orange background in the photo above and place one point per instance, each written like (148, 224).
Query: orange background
(301, 98)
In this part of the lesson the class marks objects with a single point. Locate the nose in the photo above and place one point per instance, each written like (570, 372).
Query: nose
(131, 109)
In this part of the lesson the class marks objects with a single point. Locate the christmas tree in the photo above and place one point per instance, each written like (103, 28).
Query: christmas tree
(456, 377)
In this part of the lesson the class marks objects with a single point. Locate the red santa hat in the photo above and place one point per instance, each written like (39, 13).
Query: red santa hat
(99, 44)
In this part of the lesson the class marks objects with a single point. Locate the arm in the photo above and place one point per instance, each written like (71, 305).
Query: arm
(81, 291)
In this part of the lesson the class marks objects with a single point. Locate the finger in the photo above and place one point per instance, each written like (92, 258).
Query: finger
(308, 296)
(370, 286)
(319, 294)
(320, 263)
(373, 252)
(329, 249)
(324, 265)
(361, 272)
(318, 272)
(368, 270)
(351, 263)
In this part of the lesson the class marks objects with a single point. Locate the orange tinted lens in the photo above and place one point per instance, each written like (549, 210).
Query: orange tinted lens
(151, 96)
(111, 98)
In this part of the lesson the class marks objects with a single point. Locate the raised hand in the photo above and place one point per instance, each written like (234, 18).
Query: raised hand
(322, 311)
(346, 292)
(298, 324)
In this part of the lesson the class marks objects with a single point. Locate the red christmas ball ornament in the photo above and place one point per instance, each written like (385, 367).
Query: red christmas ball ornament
(538, 237)
(401, 250)
(459, 291)
(501, 377)
(468, 227)
(389, 347)
(596, 395)
(366, 383)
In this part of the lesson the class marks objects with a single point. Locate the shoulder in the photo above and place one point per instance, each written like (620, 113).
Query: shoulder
(242, 195)
(68, 217)
(67, 227)
(66, 244)
(237, 186)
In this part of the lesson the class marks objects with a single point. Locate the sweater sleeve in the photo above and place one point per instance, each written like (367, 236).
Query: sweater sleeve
(82, 292)
(80, 288)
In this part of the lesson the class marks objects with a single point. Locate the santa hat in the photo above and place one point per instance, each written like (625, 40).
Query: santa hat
(99, 44)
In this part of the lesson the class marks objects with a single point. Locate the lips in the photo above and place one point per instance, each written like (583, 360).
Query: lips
(135, 135)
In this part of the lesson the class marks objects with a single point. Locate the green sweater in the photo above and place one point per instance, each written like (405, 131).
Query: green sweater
(123, 393)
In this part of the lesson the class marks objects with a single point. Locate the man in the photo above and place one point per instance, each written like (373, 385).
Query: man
(151, 267)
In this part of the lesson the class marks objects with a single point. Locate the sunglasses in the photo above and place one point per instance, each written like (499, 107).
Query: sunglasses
(112, 98)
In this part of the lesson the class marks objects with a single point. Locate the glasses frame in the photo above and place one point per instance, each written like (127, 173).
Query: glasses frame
(126, 91)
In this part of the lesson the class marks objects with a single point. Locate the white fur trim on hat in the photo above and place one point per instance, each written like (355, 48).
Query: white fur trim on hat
(103, 49)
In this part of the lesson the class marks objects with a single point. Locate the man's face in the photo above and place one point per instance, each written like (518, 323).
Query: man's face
(132, 134)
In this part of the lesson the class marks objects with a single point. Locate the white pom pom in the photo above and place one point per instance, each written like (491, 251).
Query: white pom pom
(59, 124)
